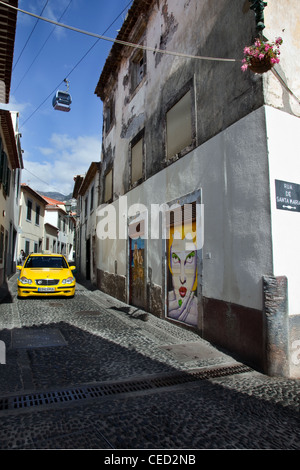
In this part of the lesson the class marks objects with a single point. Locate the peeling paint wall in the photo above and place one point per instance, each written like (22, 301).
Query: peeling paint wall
(223, 93)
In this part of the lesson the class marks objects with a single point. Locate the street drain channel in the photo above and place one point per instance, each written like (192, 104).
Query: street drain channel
(87, 392)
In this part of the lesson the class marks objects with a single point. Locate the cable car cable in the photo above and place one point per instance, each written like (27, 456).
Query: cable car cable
(21, 53)
(124, 43)
(75, 66)
(61, 16)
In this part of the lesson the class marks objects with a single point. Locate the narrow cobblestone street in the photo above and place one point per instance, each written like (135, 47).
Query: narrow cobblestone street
(93, 373)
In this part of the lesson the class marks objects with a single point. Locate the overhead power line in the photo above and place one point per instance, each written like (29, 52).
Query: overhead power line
(40, 50)
(29, 36)
(118, 41)
(75, 66)
(129, 44)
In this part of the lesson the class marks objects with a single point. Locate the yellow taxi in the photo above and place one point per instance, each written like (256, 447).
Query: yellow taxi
(46, 274)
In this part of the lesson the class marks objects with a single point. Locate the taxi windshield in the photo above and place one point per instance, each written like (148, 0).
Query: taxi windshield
(46, 262)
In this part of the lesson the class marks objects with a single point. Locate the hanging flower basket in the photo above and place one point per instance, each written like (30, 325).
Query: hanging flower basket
(260, 65)
(261, 56)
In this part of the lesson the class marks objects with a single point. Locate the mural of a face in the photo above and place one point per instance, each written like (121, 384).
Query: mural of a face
(183, 263)
(182, 285)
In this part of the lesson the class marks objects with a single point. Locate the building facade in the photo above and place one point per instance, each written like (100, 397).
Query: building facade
(11, 165)
(86, 192)
(44, 225)
(11, 162)
(31, 221)
(197, 159)
(59, 229)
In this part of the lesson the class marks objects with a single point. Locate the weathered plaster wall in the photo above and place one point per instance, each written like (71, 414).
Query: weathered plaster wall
(232, 171)
(282, 18)
(223, 93)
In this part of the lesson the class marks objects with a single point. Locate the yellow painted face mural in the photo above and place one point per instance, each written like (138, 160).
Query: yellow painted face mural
(182, 282)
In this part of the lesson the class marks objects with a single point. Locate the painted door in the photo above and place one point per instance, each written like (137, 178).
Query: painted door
(182, 273)
(137, 272)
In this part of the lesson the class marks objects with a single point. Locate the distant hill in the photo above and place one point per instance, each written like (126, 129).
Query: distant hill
(57, 196)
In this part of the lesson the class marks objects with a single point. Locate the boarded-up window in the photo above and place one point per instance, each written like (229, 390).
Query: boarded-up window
(179, 126)
(137, 161)
(108, 186)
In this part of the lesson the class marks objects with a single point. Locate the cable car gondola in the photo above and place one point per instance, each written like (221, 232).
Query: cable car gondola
(62, 100)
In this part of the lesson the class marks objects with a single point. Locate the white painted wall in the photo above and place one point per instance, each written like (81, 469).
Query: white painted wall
(51, 217)
(283, 132)
(232, 171)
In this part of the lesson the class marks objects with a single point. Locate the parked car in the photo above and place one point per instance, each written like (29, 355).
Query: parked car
(46, 274)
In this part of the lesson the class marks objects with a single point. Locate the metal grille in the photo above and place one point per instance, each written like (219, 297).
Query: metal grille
(116, 388)
(47, 282)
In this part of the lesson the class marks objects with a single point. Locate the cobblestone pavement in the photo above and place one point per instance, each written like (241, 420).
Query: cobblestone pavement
(93, 373)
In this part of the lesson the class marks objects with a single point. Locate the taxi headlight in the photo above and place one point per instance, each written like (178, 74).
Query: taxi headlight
(69, 280)
(25, 280)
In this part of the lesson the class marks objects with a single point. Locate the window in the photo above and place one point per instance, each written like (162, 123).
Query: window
(137, 69)
(35, 248)
(37, 215)
(92, 199)
(3, 167)
(86, 207)
(109, 115)
(27, 247)
(108, 191)
(46, 262)
(29, 210)
(179, 126)
(137, 161)
(5, 173)
(7, 183)
(1, 243)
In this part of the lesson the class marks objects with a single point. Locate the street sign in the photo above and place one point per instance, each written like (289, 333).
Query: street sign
(287, 196)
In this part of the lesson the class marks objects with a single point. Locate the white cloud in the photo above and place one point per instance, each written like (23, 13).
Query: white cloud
(67, 157)
(14, 105)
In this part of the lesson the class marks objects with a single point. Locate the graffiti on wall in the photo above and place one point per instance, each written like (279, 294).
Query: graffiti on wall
(182, 274)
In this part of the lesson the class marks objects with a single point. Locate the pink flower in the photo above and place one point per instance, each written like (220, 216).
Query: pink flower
(247, 50)
(267, 47)
(261, 56)
(278, 41)
(244, 67)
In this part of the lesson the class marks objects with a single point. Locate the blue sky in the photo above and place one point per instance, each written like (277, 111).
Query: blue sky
(58, 145)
